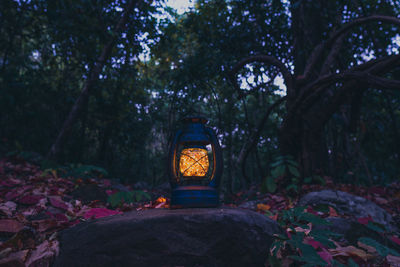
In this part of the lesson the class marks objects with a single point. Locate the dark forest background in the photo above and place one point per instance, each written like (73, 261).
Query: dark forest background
(104, 83)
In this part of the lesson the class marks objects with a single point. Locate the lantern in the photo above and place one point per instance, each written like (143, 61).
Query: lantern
(195, 165)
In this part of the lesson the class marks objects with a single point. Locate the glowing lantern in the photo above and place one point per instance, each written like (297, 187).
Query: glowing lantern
(195, 165)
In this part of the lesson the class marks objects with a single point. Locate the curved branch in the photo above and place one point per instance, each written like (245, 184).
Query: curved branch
(287, 76)
(361, 77)
(376, 67)
(252, 141)
(335, 38)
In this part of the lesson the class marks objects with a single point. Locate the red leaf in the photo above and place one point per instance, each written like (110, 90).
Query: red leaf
(325, 255)
(365, 220)
(44, 225)
(30, 199)
(377, 190)
(10, 226)
(99, 213)
(58, 203)
(310, 210)
(111, 192)
(395, 239)
(332, 212)
(11, 195)
(315, 244)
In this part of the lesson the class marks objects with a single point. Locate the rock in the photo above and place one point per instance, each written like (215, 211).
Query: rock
(89, 192)
(349, 204)
(161, 237)
(251, 205)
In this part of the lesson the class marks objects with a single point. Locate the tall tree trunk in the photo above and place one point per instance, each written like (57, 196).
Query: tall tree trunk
(93, 77)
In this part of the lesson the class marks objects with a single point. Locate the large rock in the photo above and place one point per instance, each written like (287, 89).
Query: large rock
(349, 204)
(161, 237)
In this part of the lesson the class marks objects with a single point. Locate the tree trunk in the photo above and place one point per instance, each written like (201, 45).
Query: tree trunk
(93, 77)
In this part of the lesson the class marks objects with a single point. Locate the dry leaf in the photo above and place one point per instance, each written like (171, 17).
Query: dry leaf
(10, 226)
(351, 251)
(393, 260)
(15, 259)
(370, 249)
(263, 207)
(43, 254)
(332, 212)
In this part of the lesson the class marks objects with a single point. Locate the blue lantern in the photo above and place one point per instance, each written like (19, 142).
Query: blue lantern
(195, 165)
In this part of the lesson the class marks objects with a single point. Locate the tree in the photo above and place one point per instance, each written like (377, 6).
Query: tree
(318, 48)
(321, 83)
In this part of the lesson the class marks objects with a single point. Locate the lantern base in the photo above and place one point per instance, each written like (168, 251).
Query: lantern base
(194, 196)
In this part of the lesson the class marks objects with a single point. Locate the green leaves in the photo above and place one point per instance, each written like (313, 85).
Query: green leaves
(270, 184)
(284, 168)
(121, 197)
(381, 249)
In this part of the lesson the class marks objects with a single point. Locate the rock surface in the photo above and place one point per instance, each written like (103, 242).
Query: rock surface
(161, 237)
(349, 204)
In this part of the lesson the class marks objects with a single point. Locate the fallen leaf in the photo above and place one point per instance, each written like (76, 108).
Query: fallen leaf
(8, 208)
(314, 243)
(44, 225)
(365, 220)
(58, 203)
(160, 205)
(44, 254)
(5, 252)
(368, 248)
(325, 255)
(395, 239)
(350, 251)
(332, 212)
(380, 200)
(393, 260)
(99, 213)
(30, 199)
(263, 207)
(11, 195)
(15, 259)
(10, 226)
(274, 217)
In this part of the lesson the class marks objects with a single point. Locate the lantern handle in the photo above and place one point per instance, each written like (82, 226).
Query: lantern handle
(172, 160)
(218, 160)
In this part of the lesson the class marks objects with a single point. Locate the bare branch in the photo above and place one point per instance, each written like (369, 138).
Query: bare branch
(335, 37)
(362, 77)
(376, 67)
(252, 140)
(331, 56)
(287, 76)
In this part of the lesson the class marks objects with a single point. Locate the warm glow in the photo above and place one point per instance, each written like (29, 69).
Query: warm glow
(193, 162)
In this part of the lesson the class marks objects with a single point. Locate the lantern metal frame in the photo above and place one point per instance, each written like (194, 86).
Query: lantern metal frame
(190, 193)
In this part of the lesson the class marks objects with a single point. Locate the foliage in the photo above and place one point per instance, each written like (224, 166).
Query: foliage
(163, 67)
(284, 170)
(303, 243)
(119, 198)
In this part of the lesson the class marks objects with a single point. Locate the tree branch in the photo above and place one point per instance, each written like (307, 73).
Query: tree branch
(376, 67)
(335, 37)
(362, 77)
(252, 140)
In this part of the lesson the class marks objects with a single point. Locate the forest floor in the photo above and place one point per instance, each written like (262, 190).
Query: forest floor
(36, 204)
